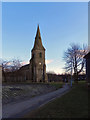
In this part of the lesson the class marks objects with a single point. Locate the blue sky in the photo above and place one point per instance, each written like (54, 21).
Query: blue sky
(60, 24)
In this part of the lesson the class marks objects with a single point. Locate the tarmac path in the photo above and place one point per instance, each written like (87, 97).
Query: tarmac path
(22, 107)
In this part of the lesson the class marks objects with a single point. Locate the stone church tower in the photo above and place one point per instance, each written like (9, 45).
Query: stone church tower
(37, 61)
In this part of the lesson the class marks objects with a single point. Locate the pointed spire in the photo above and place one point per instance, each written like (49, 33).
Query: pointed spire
(38, 41)
(38, 32)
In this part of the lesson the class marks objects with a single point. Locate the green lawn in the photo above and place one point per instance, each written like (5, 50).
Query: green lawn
(71, 105)
(56, 84)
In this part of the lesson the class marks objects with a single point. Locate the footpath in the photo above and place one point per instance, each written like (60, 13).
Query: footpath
(22, 107)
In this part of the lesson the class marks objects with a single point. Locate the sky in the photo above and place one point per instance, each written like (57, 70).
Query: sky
(60, 23)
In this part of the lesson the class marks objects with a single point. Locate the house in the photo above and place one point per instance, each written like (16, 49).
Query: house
(87, 57)
(0, 74)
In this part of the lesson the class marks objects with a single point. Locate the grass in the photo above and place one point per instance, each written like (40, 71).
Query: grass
(56, 84)
(13, 92)
(71, 105)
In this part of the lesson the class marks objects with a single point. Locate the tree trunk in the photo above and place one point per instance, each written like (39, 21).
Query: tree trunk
(75, 78)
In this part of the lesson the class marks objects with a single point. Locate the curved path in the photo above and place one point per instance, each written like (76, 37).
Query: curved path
(18, 109)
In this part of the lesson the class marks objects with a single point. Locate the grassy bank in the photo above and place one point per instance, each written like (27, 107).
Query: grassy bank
(71, 105)
(56, 84)
(13, 92)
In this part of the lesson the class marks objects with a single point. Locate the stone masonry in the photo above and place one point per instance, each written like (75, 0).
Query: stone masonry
(37, 61)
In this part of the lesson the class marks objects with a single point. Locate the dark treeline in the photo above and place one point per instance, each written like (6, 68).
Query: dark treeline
(63, 77)
(21, 76)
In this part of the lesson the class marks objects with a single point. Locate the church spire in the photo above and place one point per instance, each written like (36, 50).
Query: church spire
(38, 41)
(38, 32)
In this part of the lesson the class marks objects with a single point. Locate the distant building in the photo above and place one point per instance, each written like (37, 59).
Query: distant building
(87, 57)
(35, 71)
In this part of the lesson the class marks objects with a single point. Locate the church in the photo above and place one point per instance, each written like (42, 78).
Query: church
(35, 71)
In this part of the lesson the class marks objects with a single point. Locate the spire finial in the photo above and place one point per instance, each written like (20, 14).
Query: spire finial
(38, 32)
(38, 24)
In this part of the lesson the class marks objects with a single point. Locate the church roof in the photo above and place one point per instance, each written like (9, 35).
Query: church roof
(38, 41)
(25, 67)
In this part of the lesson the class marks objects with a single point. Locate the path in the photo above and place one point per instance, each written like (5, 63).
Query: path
(18, 109)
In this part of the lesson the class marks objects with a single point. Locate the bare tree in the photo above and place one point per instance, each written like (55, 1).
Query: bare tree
(11, 65)
(74, 60)
(15, 64)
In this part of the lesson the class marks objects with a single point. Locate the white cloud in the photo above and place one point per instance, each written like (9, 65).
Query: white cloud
(48, 61)
(25, 62)
(9, 63)
(55, 70)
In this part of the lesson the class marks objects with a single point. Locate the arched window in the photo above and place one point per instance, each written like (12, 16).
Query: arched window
(40, 55)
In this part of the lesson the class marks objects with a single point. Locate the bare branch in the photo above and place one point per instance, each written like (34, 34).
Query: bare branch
(73, 58)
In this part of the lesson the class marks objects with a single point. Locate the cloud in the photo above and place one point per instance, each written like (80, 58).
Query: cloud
(9, 63)
(25, 62)
(48, 61)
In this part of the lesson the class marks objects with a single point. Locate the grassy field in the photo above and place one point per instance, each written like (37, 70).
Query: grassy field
(12, 92)
(56, 84)
(71, 105)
